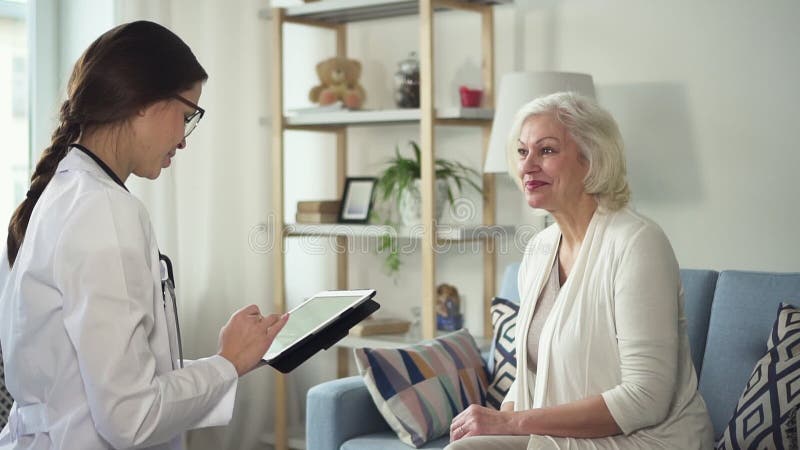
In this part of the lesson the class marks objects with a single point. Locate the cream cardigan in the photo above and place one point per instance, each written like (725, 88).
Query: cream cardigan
(618, 330)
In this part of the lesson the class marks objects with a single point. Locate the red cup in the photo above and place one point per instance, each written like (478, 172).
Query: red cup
(470, 98)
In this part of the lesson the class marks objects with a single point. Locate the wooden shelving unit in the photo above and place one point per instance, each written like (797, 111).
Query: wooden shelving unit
(336, 12)
(334, 15)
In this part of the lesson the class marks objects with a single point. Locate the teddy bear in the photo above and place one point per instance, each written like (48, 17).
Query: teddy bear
(339, 81)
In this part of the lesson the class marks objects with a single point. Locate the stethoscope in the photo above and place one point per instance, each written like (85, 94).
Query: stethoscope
(168, 287)
(167, 274)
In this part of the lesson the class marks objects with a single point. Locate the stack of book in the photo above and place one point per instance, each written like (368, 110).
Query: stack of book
(317, 211)
(371, 327)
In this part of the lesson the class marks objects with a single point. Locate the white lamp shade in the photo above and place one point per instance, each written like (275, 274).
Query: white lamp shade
(517, 89)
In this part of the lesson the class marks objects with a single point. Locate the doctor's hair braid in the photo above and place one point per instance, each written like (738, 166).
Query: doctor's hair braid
(126, 69)
(67, 132)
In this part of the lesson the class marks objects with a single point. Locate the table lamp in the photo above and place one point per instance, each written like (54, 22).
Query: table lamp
(517, 89)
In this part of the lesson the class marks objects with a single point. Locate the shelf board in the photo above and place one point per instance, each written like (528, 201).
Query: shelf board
(398, 341)
(444, 232)
(343, 11)
(384, 117)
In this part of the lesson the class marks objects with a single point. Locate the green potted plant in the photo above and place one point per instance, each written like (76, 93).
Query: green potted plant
(400, 181)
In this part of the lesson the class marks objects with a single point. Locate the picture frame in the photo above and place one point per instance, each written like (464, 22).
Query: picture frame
(357, 198)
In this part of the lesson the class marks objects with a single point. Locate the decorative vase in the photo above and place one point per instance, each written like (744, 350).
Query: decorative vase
(410, 204)
(406, 83)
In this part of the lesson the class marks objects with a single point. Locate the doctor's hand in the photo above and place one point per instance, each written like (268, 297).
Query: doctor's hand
(247, 336)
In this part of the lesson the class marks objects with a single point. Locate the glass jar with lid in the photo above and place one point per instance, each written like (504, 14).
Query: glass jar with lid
(406, 82)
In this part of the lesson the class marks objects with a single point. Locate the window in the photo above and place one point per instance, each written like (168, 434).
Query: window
(14, 118)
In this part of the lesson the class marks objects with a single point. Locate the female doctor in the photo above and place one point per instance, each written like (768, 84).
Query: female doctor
(87, 333)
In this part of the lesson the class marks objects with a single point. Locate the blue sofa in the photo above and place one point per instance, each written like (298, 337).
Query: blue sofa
(729, 316)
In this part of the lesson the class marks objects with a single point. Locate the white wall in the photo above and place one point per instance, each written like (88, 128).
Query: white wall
(706, 95)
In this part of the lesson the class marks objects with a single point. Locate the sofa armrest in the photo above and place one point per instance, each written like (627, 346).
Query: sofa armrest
(339, 410)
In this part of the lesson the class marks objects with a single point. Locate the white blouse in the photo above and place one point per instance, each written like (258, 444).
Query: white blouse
(543, 307)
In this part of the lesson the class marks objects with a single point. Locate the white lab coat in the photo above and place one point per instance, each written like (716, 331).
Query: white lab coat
(85, 331)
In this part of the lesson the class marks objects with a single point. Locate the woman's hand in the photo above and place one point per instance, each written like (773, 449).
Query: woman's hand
(585, 418)
(478, 421)
(247, 336)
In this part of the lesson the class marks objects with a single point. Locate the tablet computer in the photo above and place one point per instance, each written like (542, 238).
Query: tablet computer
(317, 324)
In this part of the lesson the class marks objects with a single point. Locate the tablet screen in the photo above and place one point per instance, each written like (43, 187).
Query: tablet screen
(307, 317)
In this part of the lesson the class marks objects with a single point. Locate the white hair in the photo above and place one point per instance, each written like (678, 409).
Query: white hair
(598, 139)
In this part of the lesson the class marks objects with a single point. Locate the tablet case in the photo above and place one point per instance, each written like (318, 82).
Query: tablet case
(324, 339)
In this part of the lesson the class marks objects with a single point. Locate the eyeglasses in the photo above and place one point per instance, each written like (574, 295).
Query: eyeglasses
(191, 121)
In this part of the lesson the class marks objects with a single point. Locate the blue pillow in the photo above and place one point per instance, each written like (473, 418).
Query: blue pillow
(503, 356)
(766, 412)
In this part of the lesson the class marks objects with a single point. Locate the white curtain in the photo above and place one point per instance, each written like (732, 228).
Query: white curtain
(208, 206)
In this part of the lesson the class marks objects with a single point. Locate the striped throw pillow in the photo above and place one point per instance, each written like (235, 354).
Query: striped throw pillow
(419, 389)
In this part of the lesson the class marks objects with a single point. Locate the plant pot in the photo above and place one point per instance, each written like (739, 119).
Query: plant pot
(410, 204)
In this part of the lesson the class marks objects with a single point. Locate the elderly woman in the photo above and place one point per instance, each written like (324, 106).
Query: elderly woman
(603, 358)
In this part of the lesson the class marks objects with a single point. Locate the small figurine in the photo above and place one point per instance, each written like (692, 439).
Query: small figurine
(448, 308)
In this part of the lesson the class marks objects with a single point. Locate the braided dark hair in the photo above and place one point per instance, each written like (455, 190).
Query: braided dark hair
(127, 68)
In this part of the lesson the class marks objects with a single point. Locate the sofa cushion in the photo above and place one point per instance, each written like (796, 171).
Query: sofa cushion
(503, 360)
(698, 292)
(764, 416)
(419, 389)
(327, 427)
(742, 315)
(388, 441)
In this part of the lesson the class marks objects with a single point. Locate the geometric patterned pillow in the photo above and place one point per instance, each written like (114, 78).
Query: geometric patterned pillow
(789, 430)
(504, 354)
(766, 413)
(420, 388)
(5, 398)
